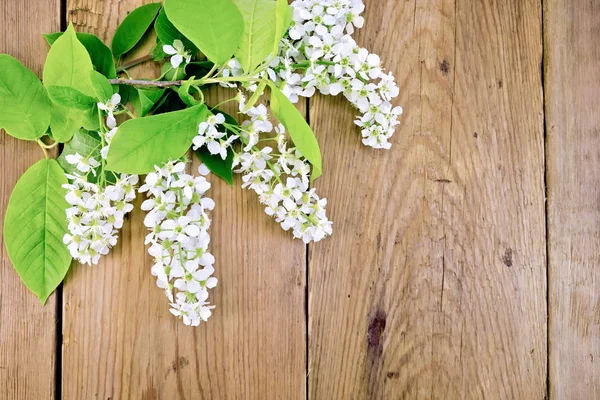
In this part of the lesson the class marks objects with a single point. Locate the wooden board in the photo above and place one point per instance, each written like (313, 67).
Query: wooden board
(121, 342)
(27, 329)
(434, 282)
(572, 87)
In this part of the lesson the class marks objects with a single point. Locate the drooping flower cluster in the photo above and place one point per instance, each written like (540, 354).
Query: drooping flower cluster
(281, 179)
(320, 54)
(178, 221)
(98, 205)
(96, 213)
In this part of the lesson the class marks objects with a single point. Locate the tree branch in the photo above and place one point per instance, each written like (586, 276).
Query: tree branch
(141, 82)
(133, 63)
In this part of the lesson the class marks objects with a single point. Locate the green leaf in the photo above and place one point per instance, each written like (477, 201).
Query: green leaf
(184, 93)
(68, 64)
(259, 32)
(100, 54)
(23, 100)
(133, 27)
(167, 33)
(215, 27)
(302, 135)
(64, 122)
(255, 96)
(90, 120)
(101, 86)
(157, 51)
(283, 18)
(144, 99)
(168, 103)
(141, 143)
(84, 143)
(218, 166)
(34, 227)
(68, 97)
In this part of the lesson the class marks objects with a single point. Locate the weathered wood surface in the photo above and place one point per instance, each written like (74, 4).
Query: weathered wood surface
(121, 342)
(572, 88)
(27, 330)
(434, 282)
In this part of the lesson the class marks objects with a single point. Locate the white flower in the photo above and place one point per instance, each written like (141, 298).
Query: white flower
(110, 106)
(83, 164)
(213, 138)
(177, 52)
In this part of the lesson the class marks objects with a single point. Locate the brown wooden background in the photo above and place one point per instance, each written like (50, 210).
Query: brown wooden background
(464, 262)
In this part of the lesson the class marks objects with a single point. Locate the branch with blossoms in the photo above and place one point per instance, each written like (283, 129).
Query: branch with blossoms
(73, 207)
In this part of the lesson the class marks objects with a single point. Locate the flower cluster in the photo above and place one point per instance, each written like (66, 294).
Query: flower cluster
(96, 213)
(178, 221)
(320, 54)
(214, 139)
(281, 179)
(99, 199)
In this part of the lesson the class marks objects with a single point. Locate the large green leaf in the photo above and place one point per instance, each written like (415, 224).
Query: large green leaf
(133, 27)
(167, 33)
(100, 54)
(64, 122)
(69, 64)
(215, 27)
(142, 143)
(34, 227)
(259, 32)
(302, 135)
(24, 105)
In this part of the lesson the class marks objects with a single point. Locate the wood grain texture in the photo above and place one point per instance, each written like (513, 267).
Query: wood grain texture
(27, 329)
(121, 342)
(434, 282)
(572, 54)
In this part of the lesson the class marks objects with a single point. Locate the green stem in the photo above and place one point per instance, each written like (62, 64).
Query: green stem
(43, 147)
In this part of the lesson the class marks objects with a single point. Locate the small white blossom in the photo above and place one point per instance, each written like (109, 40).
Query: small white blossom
(178, 53)
(110, 106)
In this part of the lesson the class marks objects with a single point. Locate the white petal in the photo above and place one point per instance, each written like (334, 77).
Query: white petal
(169, 49)
(115, 99)
(176, 60)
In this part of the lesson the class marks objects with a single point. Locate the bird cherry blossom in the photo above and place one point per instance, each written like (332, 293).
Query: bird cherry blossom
(178, 220)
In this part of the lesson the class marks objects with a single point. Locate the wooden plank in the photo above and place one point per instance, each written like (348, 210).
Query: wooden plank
(27, 329)
(433, 284)
(572, 85)
(120, 340)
